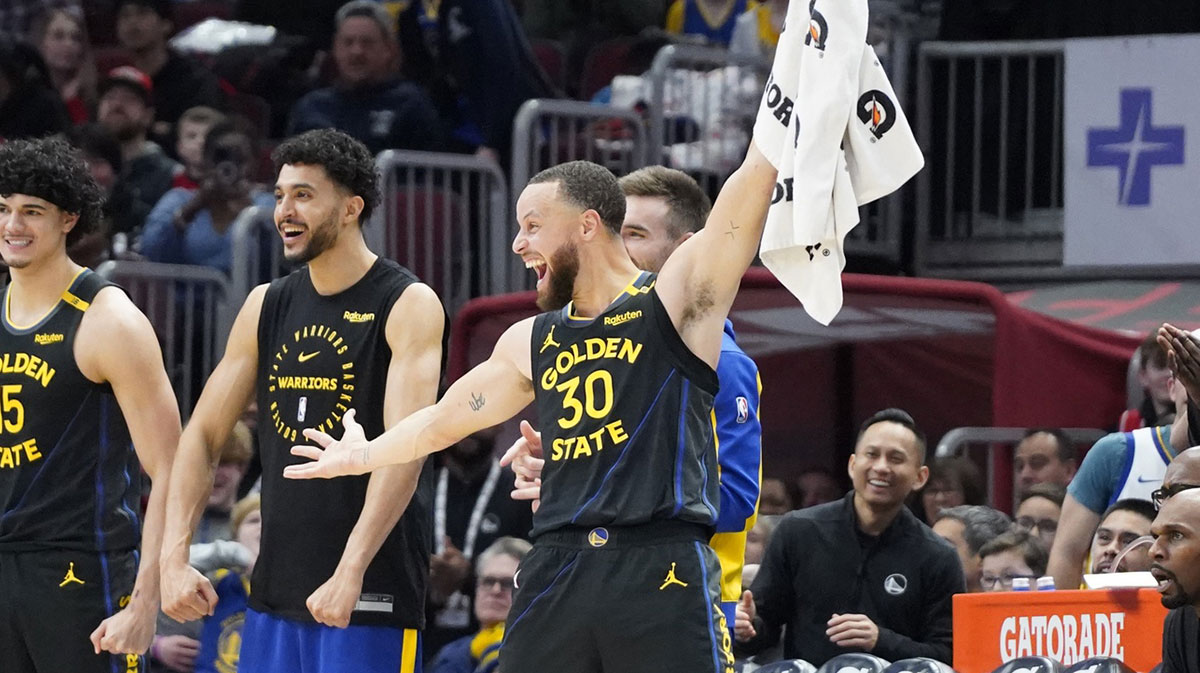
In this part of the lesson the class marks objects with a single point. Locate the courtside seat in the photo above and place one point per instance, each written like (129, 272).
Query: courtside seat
(1030, 665)
(854, 662)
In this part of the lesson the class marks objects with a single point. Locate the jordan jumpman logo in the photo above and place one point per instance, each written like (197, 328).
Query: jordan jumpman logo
(70, 576)
(549, 341)
(672, 579)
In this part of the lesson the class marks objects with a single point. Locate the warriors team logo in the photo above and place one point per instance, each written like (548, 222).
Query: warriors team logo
(877, 111)
(229, 643)
(818, 28)
(895, 584)
(311, 381)
(598, 537)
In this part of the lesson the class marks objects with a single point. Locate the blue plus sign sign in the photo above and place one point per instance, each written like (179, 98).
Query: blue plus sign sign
(1135, 147)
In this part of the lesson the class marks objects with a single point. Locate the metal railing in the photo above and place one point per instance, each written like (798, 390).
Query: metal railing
(968, 440)
(256, 253)
(445, 217)
(990, 123)
(191, 312)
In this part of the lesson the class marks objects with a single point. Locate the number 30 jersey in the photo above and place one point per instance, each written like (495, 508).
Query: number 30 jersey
(626, 415)
(69, 478)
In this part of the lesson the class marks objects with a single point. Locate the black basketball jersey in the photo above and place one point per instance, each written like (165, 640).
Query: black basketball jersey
(318, 357)
(626, 415)
(69, 478)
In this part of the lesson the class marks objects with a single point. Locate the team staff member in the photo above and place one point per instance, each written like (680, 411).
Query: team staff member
(1176, 554)
(76, 360)
(621, 368)
(663, 208)
(860, 574)
(349, 330)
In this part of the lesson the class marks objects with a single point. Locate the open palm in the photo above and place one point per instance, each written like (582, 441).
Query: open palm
(335, 458)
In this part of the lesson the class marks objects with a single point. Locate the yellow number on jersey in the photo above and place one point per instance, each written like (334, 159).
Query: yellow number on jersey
(12, 412)
(589, 405)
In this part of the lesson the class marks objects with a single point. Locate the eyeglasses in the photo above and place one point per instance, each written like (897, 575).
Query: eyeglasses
(1028, 523)
(989, 582)
(1165, 493)
(501, 583)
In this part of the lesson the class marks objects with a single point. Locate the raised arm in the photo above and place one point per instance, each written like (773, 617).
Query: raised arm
(414, 334)
(700, 279)
(123, 350)
(187, 594)
(489, 394)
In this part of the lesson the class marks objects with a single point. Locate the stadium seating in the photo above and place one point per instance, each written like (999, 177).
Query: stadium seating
(918, 665)
(854, 662)
(1030, 665)
(553, 59)
(1100, 665)
(606, 60)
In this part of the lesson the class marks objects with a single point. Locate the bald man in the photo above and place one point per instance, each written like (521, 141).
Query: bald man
(1176, 554)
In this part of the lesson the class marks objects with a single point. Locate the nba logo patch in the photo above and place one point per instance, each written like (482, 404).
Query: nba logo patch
(301, 409)
(743, 406)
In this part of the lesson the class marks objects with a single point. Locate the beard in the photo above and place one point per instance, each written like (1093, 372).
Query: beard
(560, 286)
(322, 238)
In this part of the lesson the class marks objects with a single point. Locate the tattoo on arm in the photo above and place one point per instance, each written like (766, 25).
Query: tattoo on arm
(732, 228)
(364, 455)
(477, 401)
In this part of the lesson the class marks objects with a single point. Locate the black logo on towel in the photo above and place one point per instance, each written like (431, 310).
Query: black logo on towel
(812, 250)
(818, 28)
(877, 111)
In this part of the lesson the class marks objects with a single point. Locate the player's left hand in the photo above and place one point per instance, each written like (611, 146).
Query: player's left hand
(130, 631)
(347, 455)
(333, 601)
(853, 632)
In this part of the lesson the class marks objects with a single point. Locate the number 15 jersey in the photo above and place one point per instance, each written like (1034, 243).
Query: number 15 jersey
(626, 415)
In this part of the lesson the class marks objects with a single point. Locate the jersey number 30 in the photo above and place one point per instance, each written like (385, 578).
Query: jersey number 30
(597, 398)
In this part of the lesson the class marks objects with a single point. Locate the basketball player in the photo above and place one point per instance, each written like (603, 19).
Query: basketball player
(621, 369)
(340, 580)
(80, 374)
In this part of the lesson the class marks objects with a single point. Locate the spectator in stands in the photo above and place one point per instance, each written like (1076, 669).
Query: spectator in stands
(952, 482)
(1038, 511)
(370, 101)
(18, 16)
(828, 567)
(758, 537)
(1153, 374)
(309, 19)
(472, 508)
(967, 528)
(193, 226)
(1119, 466)
(126, 110)
(711, 20)
(179, 83)
(483, 71)
(756, 32)
(1044, 455)
(1009, 556)
(817, 487)
(776, 497)
(1176, 561)
(190, 132)
(495, 573)
(61, 36)
(1125, 523)
(122, 213)
(221, 632)
(29, 105)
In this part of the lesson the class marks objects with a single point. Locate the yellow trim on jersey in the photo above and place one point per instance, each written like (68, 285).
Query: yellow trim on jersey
(766, 32)
(631, 289)
(408, 656)
(716, 22)
(1163, 446)
(675, 18)
(66, 296)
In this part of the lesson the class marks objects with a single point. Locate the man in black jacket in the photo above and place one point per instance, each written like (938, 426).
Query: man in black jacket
(861, 574)
(1176, 557)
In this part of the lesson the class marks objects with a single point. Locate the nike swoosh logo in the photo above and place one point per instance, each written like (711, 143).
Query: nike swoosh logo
(1148, 481)
(305, 357)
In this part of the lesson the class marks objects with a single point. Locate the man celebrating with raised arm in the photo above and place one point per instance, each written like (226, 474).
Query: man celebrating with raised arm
(621, 369)
(347, 330)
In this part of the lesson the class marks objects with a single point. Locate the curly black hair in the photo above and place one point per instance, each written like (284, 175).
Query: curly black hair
(53, 170)
(346, 161)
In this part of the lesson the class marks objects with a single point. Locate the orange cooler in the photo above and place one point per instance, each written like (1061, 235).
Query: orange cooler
(1070, 626)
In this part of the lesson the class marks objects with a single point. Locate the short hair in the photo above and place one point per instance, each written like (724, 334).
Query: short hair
(687, 204)
(1150, 352)
(369, 9)
(1028, 545)
(901, 417)
(588, 186)
(964, 471)
(52, 170)
(201, 114)
(1143, 508)
(1066, 447)
(346, 161)
(239, 448)
(981, 524)
(224, 128)
(96, 141)
(1055, 493)
(504, 546)
(242, 508)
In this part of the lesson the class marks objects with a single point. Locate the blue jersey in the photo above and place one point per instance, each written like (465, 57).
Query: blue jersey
(687, 17)
(221, 633)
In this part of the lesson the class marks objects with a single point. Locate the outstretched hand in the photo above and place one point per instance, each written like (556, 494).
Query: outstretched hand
(1183, 357)
(525, 456)
(335, 458)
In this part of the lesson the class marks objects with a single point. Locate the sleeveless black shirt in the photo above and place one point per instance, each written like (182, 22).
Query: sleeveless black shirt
(318, 357)
(626, 415)
(69, 478)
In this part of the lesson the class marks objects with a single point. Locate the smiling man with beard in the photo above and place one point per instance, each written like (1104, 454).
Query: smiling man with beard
(340, 581)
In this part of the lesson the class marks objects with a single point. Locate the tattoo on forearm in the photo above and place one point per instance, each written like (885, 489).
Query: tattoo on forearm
(477, 401)
(732, 228)
(364, 455)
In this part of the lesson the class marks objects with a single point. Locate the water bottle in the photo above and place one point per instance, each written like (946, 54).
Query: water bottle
(1045, 583)
(1020, 584)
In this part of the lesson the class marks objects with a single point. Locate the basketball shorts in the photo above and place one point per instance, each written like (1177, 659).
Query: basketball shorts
(272, 644)
(641, 599)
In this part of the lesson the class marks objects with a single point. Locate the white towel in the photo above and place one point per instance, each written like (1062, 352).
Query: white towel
(830, 123)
